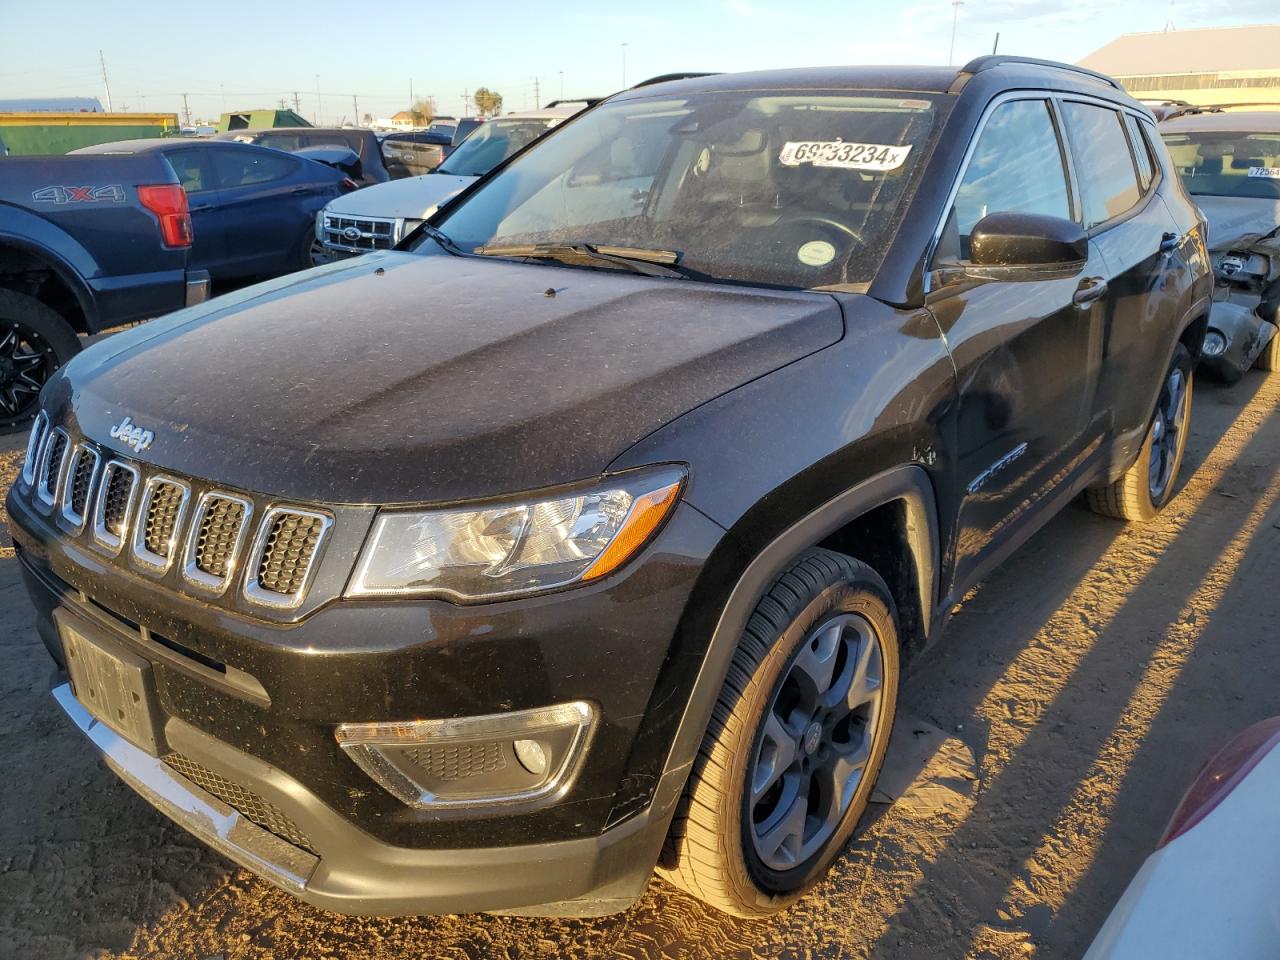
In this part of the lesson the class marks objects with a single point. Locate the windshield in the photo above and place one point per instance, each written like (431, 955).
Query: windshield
(491, 144)
(797, 190)
(1224, 164)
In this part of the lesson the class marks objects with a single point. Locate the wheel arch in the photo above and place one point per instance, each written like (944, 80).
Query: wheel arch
(64, 291)
(899, 498)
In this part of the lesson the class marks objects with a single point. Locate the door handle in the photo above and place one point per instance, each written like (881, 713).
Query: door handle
(1090, 289)
(1169, 242)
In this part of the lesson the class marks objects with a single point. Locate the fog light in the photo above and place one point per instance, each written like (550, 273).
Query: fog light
(531, 756)
(1214, 344)
(521, 758)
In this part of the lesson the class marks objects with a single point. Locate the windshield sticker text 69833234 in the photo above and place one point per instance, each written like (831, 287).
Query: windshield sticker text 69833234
(840, 153)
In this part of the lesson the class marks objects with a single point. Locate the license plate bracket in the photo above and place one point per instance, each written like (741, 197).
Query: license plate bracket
(112, 682)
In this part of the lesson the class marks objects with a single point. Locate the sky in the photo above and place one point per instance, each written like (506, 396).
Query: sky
(236, 54)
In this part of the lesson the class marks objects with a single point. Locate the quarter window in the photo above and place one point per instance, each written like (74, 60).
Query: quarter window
(1141, 152)
(1104, 165)
(190, 167)
(1016, 167)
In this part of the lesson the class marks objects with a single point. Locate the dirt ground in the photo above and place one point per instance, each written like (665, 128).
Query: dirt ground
(1079, 689)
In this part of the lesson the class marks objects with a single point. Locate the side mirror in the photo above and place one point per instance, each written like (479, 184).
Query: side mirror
(1027, 240)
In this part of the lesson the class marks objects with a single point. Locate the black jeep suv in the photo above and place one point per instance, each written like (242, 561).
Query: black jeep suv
(590, 531)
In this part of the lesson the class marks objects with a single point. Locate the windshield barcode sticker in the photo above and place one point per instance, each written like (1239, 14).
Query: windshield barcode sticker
(1270, 173)
(839, 153)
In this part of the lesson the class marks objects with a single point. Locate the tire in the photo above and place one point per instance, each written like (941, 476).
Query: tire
(825, 609)
(1269, 358)
(311, 251)
(34, 342)
(1139, 495)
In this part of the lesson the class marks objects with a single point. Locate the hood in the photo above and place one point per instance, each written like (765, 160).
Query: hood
(400, 377)
(1238, 221)
(413, 198)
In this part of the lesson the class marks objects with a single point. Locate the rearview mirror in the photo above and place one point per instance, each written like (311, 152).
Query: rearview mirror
(1027, 239)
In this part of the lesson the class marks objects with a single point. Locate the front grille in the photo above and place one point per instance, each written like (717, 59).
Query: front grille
(246, 802)
(39, 430)
(51, 469)
(163, 506)
(75, 497)
(115, 499)
(219, 532)
(459, 761)
(287, 551)
(371, 233)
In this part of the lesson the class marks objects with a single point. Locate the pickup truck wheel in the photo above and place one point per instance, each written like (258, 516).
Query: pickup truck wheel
(34, 342)
(1269, 358)
(795, 743)
(1149, 484)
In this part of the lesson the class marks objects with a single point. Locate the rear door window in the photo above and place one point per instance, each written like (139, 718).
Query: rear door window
(191, 168)
(243, 168)
(1104, 165)
(1016, 167)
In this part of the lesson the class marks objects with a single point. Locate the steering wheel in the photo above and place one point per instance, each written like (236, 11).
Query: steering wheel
(824, 222)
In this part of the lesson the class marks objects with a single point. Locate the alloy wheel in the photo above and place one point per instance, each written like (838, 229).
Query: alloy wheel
(816, 741)
(26, 363)
(1166, 434)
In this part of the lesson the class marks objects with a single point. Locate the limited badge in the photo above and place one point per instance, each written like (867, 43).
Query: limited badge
(816, 253)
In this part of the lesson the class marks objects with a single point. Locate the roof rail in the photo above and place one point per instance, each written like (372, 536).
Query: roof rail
(589, 101)
(667, 77)
(982, 64)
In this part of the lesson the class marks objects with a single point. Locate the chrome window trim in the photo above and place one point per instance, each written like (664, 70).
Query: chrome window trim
(153, 562)
(253, 591)
(68, 514)
(35, 447)
(103, 537)
(44, 495)
(193, 574)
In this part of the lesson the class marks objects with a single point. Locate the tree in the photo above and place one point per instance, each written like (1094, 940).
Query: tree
(488, 102)
(423, 111)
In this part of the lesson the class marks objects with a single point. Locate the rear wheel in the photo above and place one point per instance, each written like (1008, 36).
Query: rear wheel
(1149, 484)
(34, 342)
(795, 743)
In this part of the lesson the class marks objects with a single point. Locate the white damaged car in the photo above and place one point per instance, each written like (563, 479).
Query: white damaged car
(379, 217)
(1229, 162)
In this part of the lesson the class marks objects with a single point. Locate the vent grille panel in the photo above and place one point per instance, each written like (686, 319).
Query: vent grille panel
(288, 551)
(246, 802)
(80, 481)
(219, 533)
(53, 462)
(459, 761)
(115, 503)
(162, 517)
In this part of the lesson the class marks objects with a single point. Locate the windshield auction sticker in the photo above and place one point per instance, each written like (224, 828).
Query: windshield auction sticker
(840, 153)
(1270, 173)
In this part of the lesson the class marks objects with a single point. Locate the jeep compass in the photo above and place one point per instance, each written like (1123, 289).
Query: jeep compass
(589, 531)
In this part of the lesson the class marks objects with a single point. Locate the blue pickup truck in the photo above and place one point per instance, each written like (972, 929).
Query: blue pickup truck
(86, 243)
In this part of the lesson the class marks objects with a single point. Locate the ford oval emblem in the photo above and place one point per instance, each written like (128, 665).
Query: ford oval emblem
(351, 233)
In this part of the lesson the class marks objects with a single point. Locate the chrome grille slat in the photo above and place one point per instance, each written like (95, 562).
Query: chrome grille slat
(113, 512)
(159, 517)
(78, 485)
(284, 555)
(214, 541)
(52, 461)
(376, 233)
(35, 444)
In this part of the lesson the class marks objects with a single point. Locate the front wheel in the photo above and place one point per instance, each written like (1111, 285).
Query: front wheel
(795, 743)
(34, 342)
(1149, 484)
(1269, 358)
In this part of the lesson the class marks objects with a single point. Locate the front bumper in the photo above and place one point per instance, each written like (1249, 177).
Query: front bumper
(255, 705)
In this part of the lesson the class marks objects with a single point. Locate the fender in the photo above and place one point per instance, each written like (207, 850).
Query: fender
(908, 483)
(63, 254)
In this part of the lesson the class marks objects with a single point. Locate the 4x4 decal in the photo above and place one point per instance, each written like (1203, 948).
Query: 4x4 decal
(112, 193)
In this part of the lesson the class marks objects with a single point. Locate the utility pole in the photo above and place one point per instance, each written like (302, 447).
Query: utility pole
(297, 103)
(995, 47)
(355, 109)
(561, 84)
(466, 103)
(537, 95)
(107, 86)
(284, 103)
(318, 123)
(186, 112)
(955, 16)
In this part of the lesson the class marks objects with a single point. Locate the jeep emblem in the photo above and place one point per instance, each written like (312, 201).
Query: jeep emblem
(132, 435)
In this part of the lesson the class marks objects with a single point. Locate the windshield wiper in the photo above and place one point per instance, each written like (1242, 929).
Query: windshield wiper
(643, 260)
(448, 245)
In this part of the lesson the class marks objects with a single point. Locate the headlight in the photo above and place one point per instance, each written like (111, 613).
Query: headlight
(1214, 344)
(320, 224)
(507, 549)
(407, 226)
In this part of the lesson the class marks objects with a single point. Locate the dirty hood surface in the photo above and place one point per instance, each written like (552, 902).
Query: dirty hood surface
(400, 377)
(1238, 221)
